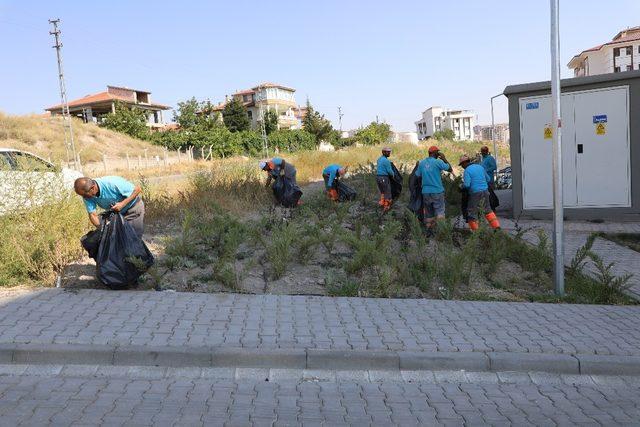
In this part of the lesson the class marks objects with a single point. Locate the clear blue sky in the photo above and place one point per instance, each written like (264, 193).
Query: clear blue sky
(387, 58)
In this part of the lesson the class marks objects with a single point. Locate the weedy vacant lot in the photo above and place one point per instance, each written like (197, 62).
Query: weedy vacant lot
(230, 237)
(219, 231)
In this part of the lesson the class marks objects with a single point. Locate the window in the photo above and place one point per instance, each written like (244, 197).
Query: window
(629, 50)
(629, 67)
(250, 114)
(616, 51)
(616, 69)
(29, 163)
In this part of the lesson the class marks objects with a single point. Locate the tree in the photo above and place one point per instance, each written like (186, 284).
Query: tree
(193, 114)
(235, 116)
(316, 124)
(129, 120)
(270, 121)
(374, 133)
(187, 114)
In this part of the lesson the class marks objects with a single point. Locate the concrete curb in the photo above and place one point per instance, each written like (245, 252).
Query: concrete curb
(314, 359)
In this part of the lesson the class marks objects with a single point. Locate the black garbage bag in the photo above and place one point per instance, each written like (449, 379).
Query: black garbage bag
(396, 182)
(345, 193)
(415, 188)
(286, 192)
(464, 204)
(122, 256)
(91, 242)
(494, 202)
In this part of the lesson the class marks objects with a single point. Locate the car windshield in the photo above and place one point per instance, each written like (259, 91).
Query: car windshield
(27, 163)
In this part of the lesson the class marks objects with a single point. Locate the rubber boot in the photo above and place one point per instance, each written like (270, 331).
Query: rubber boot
(473, 224)
(493, 221)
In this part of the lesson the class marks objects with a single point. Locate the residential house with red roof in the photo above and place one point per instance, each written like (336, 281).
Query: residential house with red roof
(92, 108)
(622, 53)
(269, 97)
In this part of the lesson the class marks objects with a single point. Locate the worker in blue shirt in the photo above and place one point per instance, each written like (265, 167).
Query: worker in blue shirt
(476, 182)
(331, 174)
(384, 174)
(430, 170)
(490, 165)
(112, 193)
(276, 167)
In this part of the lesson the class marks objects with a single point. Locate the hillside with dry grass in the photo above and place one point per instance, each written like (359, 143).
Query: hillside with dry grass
(44, 136)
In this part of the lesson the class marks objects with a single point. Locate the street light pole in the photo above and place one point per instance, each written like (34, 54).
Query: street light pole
(493, 131)
(558, 207)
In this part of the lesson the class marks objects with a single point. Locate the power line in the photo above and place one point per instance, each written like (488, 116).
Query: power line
(66, 118)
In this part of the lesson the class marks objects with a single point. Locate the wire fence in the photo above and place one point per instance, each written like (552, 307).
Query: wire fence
(144, 160)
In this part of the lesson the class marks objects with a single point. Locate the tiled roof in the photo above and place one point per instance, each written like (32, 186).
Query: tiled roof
(628, 38)
(99, 98)
(270, 84)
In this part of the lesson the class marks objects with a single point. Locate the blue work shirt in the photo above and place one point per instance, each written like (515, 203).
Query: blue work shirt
(475, 178)
(113, 189)
(384, 167)
(277, 166)
(332, 171)
(489, 165)
(429, 170)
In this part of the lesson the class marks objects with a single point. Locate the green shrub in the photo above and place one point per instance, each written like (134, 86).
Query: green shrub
(279, 246)
(38, 243)
(291, 140)
(444, 135)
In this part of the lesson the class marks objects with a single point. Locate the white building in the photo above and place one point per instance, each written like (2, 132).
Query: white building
(270, 97)
(484, 133)
(436, 119)
(620, 54)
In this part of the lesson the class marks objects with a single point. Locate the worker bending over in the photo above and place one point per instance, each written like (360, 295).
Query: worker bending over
(331, 175)
(384, 174)
(476, 181)
(430, 170)
(112, 193)
(276, 167)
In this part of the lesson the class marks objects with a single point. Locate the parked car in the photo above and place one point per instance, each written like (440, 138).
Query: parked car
(503, 180)
(27, 180)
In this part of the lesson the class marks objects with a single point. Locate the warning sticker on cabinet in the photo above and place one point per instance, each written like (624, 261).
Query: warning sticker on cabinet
(548, 132)
(601, 129)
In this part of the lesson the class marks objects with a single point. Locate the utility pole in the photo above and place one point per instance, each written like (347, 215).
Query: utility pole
(340, 117)
(68, 128)
(558, 206)
(263, 131)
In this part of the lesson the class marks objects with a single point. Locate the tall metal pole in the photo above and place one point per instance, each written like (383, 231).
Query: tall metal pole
(493, 131)
(68, 128)
(340, 117)
(558, 207)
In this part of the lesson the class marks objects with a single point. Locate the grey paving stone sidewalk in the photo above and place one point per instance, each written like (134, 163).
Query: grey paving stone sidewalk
(626, 261)
(65, 399)
(269, 321)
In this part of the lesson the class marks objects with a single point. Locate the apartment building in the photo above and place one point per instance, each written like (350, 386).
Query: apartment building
(622, 53)
(435, 119)
(484, 133)
(269, 97)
